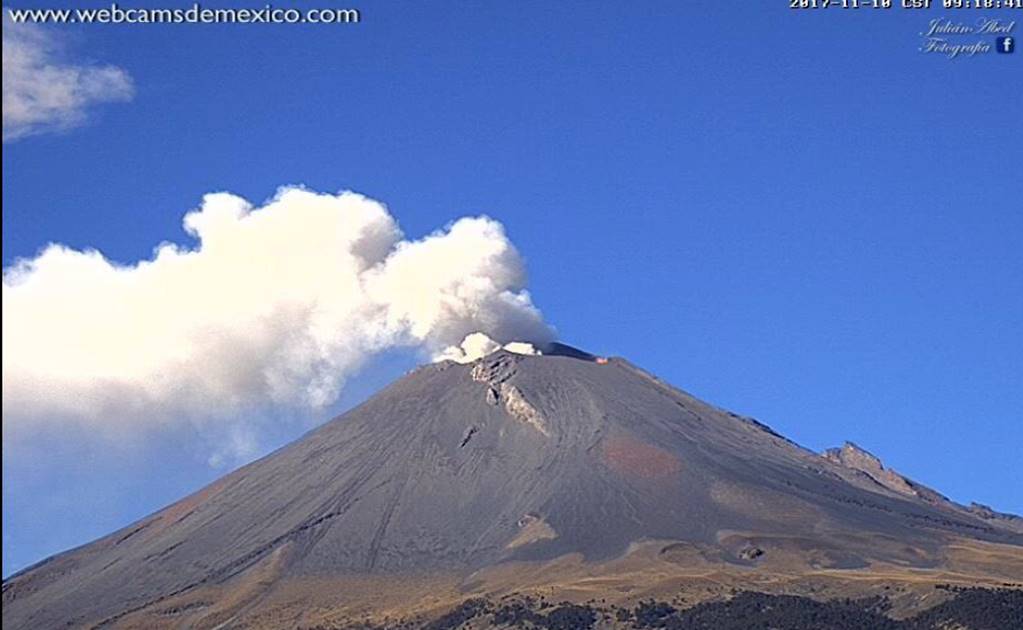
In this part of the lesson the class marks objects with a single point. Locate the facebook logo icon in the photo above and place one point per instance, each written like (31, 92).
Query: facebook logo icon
(1006, 45)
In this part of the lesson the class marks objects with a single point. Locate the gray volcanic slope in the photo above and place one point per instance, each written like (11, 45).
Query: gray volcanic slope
(458, 467)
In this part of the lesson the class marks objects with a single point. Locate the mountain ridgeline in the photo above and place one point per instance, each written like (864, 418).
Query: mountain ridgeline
(567, 476)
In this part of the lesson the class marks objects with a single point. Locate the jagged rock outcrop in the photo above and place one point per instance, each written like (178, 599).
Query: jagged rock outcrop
(859, 459)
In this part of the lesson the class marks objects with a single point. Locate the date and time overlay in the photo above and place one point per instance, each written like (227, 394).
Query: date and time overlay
(965, 28)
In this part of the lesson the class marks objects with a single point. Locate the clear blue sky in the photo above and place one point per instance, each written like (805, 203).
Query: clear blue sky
(794, 215)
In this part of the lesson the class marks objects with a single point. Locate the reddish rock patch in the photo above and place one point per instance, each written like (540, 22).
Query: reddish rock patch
(629, 456)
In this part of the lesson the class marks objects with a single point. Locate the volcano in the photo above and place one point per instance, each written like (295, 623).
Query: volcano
(557, 477)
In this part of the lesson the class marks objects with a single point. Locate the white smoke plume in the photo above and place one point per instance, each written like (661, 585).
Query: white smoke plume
(478, 345)
(275, 305)
(41, 91)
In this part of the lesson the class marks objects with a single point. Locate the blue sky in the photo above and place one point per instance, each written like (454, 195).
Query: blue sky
(795, 215)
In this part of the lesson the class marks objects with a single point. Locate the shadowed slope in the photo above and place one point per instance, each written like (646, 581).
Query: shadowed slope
(513, 459)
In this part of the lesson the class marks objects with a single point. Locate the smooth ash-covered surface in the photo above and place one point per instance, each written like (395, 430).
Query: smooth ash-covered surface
(472, 472)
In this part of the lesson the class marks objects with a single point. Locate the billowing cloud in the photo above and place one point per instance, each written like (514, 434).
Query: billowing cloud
(478, 345)
(42, 92)
(275, 306)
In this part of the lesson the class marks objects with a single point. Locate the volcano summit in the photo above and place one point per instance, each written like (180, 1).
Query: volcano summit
(518, 479)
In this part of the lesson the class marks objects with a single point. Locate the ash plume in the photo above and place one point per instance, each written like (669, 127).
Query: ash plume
(274, 305)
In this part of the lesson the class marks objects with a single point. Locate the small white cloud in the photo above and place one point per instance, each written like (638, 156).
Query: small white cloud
(43, 92)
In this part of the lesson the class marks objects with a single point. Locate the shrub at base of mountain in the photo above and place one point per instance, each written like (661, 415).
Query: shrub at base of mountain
(969, 609)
